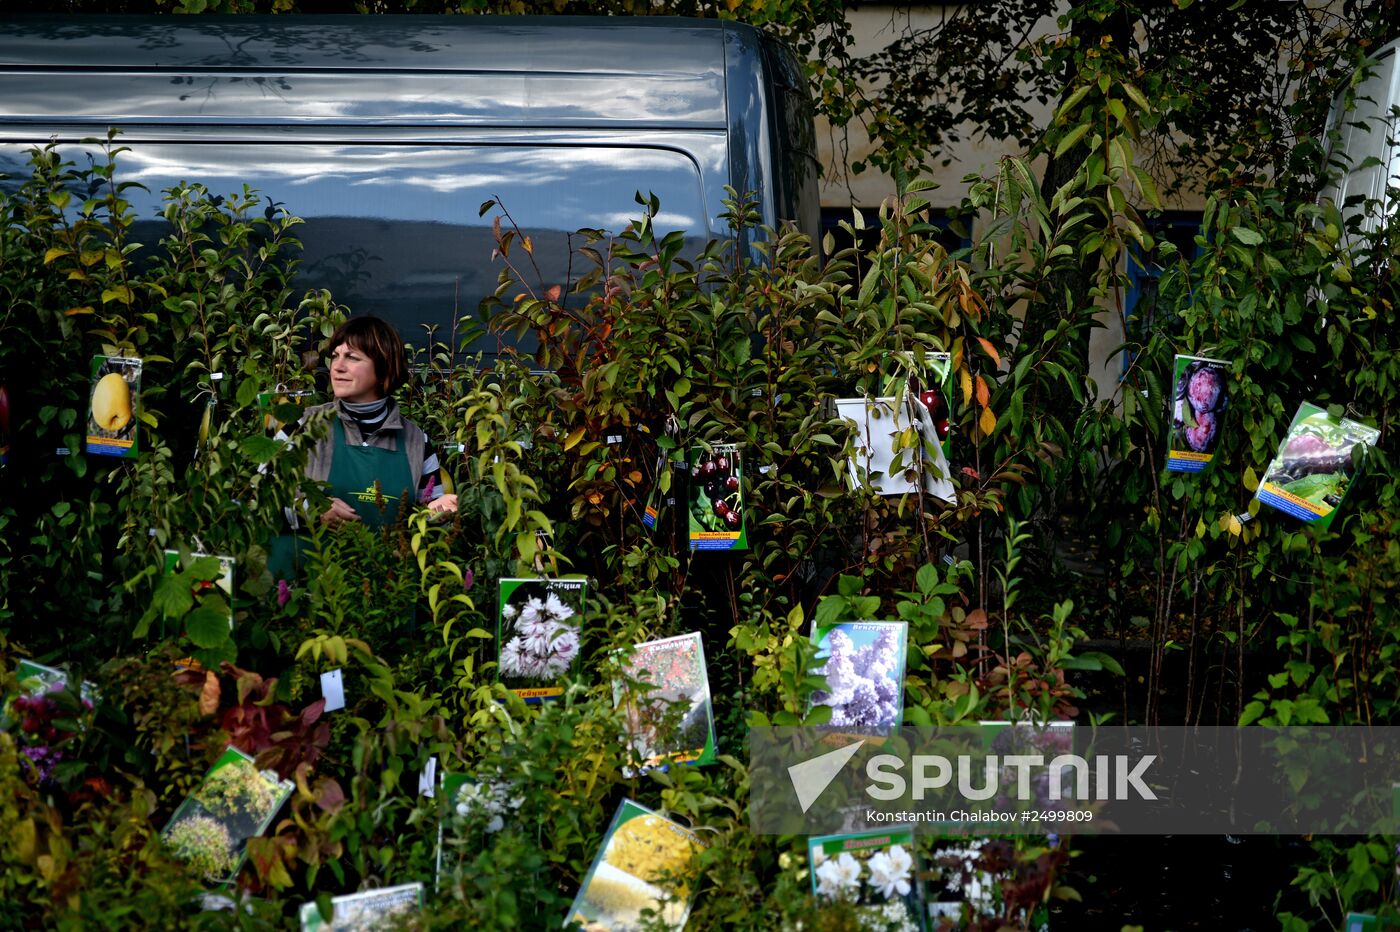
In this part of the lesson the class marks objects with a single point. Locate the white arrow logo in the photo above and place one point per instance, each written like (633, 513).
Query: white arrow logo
(811, 777)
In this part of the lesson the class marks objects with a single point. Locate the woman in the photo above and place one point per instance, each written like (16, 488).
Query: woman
(372, 459)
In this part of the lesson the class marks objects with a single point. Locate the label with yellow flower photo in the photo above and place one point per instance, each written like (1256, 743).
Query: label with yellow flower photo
(646, 863)
(236, 802)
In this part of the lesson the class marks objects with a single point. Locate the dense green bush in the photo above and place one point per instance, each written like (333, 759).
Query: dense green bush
(670, 353)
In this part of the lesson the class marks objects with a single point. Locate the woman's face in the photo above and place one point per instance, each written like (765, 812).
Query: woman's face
(352, 375)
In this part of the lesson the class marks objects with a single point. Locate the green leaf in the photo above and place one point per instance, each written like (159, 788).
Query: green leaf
(172, 597)
(1071, 139)
(207, 627)
(1247, 236)
(259, 449)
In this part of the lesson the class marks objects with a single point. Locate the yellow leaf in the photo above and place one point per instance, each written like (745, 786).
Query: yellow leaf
(574, 437)
(26, 840)
(1251, 481)
(528, 246)
(965, 379)
(984, 394)
(55, 253)
(75, 311)
(209, 694)
(987, 422)
(1234, 526)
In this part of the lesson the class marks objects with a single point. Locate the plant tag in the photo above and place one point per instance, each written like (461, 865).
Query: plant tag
(333, 688)
(461, 448)
(614, 439)
(216, 376)
(62, 451)
(428, 778)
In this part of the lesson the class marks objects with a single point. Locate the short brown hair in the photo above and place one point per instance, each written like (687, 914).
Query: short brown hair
(378, 340)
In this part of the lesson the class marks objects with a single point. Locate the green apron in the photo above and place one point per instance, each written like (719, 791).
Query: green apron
(353, 474)
(354, 471)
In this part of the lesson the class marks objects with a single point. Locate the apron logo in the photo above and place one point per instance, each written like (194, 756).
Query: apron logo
(371, 494)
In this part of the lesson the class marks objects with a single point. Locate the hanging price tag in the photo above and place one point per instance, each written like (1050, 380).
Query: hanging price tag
(333, 688)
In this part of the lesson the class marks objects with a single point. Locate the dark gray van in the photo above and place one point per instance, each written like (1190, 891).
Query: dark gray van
(386, 133)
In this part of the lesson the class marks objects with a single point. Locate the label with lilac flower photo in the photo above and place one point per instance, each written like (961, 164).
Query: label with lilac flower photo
(48, 719)
(234, 803)
(538, 630)
(114, 406)
(877, 872)
(365, 911)
(864, 669)
(1315, 466)
(1198, 404)
(665, 695)
(717, 512)
(645, 864)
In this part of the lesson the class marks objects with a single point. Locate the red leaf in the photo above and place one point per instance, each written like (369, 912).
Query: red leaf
(311, 713)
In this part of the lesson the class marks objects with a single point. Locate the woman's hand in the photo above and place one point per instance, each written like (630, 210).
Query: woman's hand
(443, 504)
(339, 512)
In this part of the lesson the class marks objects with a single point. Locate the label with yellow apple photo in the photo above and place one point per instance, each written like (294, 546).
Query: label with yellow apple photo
(114, 406)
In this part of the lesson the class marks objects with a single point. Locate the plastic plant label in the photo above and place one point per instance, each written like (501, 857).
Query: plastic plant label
(114, 407)
(333, 688)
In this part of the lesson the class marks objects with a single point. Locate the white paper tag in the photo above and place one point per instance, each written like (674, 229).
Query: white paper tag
(614, 438)
(333, 688)
(765, 470)
(216, 376)
(428, 778)
(62, 451)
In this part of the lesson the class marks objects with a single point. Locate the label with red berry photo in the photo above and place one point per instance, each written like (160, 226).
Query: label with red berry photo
(1199, 400)
(717, 510)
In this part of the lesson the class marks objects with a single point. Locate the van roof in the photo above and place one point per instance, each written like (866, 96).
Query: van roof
(405, 69)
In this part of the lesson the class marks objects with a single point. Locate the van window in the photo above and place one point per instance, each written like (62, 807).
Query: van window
(393, 230)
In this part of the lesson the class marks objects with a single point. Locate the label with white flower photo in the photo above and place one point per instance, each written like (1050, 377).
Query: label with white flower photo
(236, 802)
(645, 862)
(364, 911)
(665, 694)
(877, 872)
(1315, 466)
(538, 630)
(1198, 404)
(863, 662)
(471, 810)
(717, 511)
(114, 406)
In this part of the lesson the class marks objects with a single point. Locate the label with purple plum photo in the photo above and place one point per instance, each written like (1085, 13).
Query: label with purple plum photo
(1311, 473)
(716, 518)
(864, 669)
(1198, 402)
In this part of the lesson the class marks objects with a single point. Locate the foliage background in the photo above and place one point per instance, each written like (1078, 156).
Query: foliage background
(1236, 620)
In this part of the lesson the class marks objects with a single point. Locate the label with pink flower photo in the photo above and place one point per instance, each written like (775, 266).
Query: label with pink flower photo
(863, 662)
(1198, 404)
(538, 631)
(665, 694)
(876, 872)
(50, 720)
